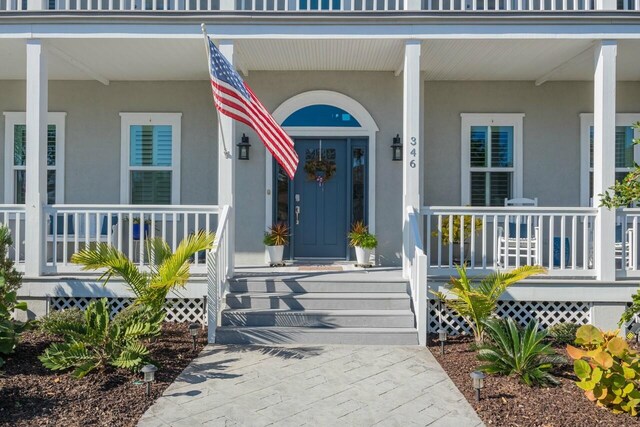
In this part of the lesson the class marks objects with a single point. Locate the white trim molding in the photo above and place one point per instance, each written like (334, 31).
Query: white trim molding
(368, 129)
(155, 119)
(11, 119)
(491, 119)
(586, 121)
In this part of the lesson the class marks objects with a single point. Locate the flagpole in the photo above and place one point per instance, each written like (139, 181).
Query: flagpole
(227, 153)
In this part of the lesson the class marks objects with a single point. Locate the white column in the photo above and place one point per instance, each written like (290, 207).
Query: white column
(604, 128)
(411, 137)
(36, 174)
(227, 163)
(227, 4)
(36, 5)
(606, 5)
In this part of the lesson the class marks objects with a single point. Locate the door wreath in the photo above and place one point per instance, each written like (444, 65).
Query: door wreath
(319, 170)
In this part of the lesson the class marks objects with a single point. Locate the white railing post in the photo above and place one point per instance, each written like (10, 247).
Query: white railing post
(606, 5)
(227, 4)
(604, 110)
(421, 296)
(36, 4)
(36, 174)
(411, 119)
(227, 165)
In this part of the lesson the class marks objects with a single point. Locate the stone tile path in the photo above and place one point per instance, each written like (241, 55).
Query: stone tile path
(312, 386)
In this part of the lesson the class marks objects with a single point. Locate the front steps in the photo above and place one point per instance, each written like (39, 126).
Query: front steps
(341, 308)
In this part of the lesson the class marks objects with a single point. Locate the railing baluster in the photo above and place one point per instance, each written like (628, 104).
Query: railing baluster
(450, 241)
(518, 238)
(65, 233)
(562, 241)
(484, 241)
(461, 245)
(174, 230)
(141, 238)
(574, 242)
(18, 237)
(439, 240)
(507, 246)
(472, 259)
(529, 256)
(633, 244)
(551, 242)
(496, 251)
(585, 242)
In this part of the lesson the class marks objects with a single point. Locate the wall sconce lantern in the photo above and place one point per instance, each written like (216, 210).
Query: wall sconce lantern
(243, 148)
(396, 148)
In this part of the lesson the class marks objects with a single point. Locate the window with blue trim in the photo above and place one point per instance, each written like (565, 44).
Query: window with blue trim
(321, 116)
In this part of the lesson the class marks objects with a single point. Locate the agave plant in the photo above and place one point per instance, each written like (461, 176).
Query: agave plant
(97, 341)
(475, 302)
(512, 351)
(167, 269)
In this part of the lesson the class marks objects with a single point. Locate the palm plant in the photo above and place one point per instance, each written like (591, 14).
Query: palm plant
(512, 351)
(167, 269)
(277, 235)
(96, 342)
(475, 302)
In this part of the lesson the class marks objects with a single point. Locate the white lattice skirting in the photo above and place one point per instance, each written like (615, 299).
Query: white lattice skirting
(178, 309)
(547, 313)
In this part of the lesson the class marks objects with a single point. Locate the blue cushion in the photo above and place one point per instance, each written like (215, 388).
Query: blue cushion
(556, 251)
(105, 224)
(513, 228)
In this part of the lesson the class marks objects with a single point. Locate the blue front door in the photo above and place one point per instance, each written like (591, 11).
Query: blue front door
(320, 199)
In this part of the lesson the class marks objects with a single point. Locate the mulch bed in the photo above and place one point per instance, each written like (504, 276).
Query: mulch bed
(507, 402)
(31, 395)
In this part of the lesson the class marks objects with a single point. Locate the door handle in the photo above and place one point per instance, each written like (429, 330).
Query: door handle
(297, 212)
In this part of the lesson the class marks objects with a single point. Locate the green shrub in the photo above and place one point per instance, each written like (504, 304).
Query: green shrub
(519, 352)
(563, 333)
(476, 301)
(608, 370)
(56, 321)
(97, 341)
(10, 281)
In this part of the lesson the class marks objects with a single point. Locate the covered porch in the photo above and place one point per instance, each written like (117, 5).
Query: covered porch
(417, 89)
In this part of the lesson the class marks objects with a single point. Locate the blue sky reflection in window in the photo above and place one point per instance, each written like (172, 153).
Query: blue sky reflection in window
(322, 116)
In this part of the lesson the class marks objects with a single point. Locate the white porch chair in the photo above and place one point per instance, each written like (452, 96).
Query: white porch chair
(519, 240)
(628, 246)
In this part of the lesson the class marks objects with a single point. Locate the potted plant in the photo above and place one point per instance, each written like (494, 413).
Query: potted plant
(275, 239)
(455, 234)
(363, 242)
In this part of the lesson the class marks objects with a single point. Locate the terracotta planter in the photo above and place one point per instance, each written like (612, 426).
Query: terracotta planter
(363, 255)
(275, 254)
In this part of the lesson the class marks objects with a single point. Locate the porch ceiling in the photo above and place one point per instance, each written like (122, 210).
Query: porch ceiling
(183, 59)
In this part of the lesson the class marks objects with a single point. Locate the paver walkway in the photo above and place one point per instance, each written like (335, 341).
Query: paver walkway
(312, 386)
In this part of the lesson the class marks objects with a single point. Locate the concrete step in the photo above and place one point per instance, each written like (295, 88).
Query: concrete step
(314, 286)
(320, 301)
(288, 335)
(319, 318)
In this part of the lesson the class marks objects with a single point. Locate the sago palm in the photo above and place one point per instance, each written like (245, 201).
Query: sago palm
(519, 352)
(476, 301)
(167, 269)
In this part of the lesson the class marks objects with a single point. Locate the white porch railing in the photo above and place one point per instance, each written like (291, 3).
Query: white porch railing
(219, 270)
(627, 233)
(510, 5)
(318, 5)
(417, 269)
(13, 216)
(483, 239)
(70, 228)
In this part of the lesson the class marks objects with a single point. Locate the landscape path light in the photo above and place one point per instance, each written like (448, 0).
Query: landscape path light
(478, 382)
(149, 372)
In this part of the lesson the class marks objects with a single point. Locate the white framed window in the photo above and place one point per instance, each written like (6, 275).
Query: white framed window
(15, 157)
(150, 172)
(626, 154)
(491, 158)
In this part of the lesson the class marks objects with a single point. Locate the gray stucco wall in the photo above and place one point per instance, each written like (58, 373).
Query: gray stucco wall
(551, 133)
(551, 139)
(92, 145)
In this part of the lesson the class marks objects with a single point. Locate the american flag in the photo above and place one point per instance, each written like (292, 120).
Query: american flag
(234, 98)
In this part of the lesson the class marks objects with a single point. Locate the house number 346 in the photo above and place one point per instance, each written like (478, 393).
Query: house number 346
(413, 152)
